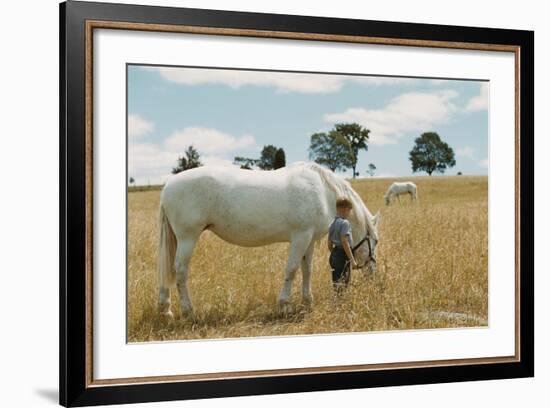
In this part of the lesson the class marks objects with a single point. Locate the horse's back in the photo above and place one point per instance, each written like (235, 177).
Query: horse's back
(402, 185)
(244, 205)
(226, 181)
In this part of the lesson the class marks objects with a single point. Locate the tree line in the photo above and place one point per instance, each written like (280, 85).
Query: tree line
(271, 158)
(338, 149)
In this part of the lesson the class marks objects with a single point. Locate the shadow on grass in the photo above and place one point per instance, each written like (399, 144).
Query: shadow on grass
(209, 319)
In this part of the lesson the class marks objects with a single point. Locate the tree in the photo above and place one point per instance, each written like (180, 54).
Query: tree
(371, 169)
(131, 181)
(431, 154)
(245, 162)
(331, 150)
(280, 159)
(267, 158)
(189, 160)
(271, 158)
(357, 137)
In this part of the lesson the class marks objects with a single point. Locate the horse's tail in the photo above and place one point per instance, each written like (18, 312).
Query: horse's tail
(166, 252)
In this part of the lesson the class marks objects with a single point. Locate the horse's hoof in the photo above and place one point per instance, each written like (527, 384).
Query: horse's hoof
(285, 308)
(187, 312)
(165, 311)
(307, 301)
(167, 315)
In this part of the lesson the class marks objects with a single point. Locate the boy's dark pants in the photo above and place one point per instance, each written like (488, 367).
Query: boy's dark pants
(340, 268)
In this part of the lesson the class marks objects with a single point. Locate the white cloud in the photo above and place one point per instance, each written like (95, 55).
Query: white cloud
(282, 81)
(153, 162)
(147, 160)
(484, 163)
(138, 126)
(409, 112)
(481, 101)
(207, 140)
(465, 151)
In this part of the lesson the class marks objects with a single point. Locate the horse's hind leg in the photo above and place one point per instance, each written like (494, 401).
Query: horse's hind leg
(164, 302)
(298, 247)
(183, 257)
(307, 263)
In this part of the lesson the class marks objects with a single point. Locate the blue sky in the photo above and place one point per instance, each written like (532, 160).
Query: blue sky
(228, 113)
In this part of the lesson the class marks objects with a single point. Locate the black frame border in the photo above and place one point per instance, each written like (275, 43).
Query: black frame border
(72, 175)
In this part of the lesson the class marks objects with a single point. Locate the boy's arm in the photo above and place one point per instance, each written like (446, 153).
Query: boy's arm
(329, 244)
(347, 249)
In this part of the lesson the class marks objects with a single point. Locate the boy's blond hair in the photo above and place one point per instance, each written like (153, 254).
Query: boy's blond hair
(343, 202)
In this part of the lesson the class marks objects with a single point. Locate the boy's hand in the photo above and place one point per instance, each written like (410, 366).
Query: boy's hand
(354, 264)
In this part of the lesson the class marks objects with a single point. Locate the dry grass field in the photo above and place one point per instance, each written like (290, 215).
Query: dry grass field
(432, 272)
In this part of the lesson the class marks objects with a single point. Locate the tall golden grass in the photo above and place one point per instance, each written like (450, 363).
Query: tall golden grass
(432, 272)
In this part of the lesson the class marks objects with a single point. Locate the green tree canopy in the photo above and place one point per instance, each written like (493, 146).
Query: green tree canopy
(357, 137)
(189, 160)
(271, 158)
(245, 162)
(431, 154)
(331, 150)
(267, 158)
(280, 159)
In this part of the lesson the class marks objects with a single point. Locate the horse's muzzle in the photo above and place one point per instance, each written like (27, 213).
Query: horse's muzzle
(370, 267)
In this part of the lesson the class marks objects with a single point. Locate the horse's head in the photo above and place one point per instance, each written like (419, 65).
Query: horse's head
(365, 254)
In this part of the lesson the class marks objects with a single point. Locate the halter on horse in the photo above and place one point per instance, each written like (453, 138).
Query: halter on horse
(371, 254)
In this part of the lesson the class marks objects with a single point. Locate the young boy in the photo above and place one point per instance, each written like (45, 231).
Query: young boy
(340, 244)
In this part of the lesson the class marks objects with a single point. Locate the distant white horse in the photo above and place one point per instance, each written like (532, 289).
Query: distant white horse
(396, 189)
(251, 208)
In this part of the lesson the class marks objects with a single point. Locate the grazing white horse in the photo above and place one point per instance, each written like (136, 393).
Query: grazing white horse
(251, 208)
(396, 189)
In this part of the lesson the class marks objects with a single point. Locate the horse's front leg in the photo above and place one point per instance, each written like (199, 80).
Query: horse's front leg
(298, 247)
(307, 266)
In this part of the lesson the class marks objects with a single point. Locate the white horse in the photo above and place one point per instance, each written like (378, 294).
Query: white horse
(396, 189)
(251, 208)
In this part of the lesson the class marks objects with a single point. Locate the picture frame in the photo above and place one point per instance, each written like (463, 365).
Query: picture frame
(79, 20)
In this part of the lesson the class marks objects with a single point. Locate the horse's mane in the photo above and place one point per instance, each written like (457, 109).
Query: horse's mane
(342, 188)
